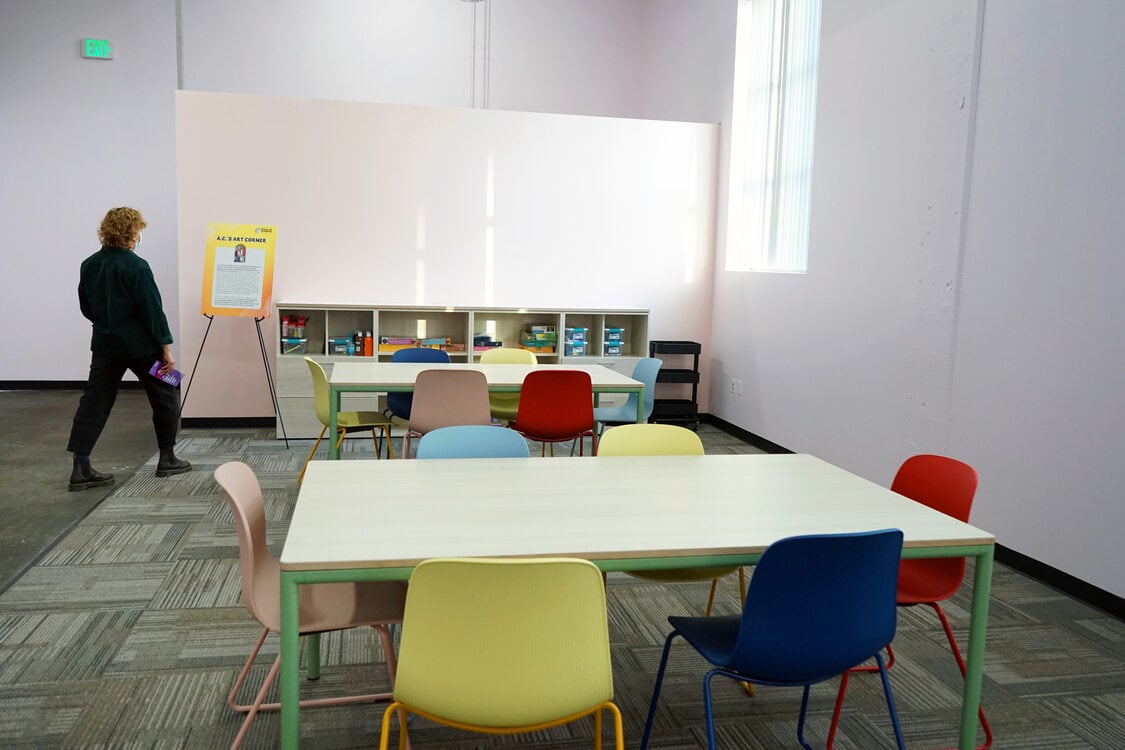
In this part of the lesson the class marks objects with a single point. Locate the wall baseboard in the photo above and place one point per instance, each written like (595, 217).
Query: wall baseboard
(1065, 583)
(232, 422)
(1073, 587)
(56, 385)
(757, 441)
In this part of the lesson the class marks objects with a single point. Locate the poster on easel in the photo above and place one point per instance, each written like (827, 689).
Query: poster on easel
(238, 270)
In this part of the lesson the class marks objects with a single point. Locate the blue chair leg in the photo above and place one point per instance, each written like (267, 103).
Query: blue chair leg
(656, 688)
(801, 719)
(890, 702)
(711, 744)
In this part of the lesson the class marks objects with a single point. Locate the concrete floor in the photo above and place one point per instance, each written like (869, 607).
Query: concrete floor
(35, 505)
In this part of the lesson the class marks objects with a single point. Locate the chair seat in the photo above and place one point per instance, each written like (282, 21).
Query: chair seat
(347, 420)
(924, 581)
(683, 575)
(503, 412)
(712, 637)
(625, 414)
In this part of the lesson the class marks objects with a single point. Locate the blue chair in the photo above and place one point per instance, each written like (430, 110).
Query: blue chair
(472, 441)
(398, 404)
(645, 371)
(817, 606)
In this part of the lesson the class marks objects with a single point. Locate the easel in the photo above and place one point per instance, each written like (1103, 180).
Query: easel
(265, 365)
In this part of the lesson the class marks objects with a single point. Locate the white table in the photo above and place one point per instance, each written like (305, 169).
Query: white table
(375, 520)
(386, 377)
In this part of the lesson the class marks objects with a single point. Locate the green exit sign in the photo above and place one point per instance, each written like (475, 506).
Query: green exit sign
(97, 49)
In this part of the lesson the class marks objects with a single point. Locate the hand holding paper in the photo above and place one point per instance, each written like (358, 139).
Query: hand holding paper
(172, 377)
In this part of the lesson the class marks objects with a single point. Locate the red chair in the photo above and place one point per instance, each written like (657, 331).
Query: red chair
(556, 406)
(947, 485)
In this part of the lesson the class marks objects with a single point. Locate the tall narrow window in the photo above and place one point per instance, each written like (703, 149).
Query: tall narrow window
(777, 55)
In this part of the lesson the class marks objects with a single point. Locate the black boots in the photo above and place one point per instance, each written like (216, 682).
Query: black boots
(84, 476)
(169, 464)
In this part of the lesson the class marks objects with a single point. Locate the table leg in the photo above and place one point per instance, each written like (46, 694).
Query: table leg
(290, 664)
(333, 413)
(640, 406)
(974, 663)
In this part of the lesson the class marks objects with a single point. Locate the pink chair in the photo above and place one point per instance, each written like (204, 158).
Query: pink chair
(446, 398)
(324, 607)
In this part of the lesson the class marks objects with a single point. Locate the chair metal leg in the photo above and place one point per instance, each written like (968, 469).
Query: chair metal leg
(656, 689)
(253, 709)
(961, 665)
(801, 719)
(708, 711)
(890, 702)
(890, 662)
(313, 451)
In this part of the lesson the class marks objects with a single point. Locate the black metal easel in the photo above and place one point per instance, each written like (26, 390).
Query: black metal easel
(265, 365)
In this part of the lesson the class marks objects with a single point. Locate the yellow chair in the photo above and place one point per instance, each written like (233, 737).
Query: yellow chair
(666, 440)
(502, 646)
(346, 421)
(504, 406)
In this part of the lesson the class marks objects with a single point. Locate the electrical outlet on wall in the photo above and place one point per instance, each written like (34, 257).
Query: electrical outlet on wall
(733, 386)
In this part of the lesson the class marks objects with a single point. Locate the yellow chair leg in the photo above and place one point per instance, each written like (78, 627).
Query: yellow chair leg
(315, 445)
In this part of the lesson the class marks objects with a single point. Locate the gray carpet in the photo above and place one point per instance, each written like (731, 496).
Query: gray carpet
(128, 632)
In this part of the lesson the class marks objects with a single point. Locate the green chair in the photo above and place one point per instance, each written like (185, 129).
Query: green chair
(504, 406)
(503, 646)
(346, 421)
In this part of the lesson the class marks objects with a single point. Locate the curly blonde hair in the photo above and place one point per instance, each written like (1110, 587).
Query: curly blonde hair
(120, 226)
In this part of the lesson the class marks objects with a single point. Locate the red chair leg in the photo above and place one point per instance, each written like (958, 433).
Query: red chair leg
(961, 665)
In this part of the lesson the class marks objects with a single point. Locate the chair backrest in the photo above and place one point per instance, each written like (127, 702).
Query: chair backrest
(505, 643)
(320, 389)
(399, 403)
(449, 397)
(556, 403)
(947, 485)
(260, 571)
(645, 371)
(818, 605)
(499, 355)
(472, 441)
(939, 482)
(649, 440)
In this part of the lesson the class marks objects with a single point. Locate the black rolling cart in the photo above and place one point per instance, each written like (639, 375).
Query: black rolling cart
(680, 411)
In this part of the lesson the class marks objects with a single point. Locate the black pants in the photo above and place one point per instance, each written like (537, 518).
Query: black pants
(101, 393)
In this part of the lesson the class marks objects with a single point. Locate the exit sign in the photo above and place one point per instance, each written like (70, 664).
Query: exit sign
(97, 49)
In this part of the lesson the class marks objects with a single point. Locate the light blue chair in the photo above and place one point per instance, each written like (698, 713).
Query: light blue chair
(398, 404)
(472, 441)
(817, 606)
(645, 371)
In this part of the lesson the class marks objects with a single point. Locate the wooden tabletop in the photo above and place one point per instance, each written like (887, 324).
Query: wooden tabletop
(403, 374)
(364, 514)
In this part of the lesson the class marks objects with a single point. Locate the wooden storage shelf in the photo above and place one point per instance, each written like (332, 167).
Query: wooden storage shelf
(326, 321)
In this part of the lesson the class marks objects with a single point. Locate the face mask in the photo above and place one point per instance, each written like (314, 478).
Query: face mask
(138, 245)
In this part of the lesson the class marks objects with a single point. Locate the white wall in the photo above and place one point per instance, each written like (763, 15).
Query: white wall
(1039, 402)
(381, 204)
(964, 293)
(80, 136)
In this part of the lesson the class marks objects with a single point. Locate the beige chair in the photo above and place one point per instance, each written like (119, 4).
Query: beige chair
(346, 421)
(504, 406)
(324, 607)
(444, 398)
(666, 440)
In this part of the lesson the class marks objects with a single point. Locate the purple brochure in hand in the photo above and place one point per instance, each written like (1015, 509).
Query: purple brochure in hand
(172, 378)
